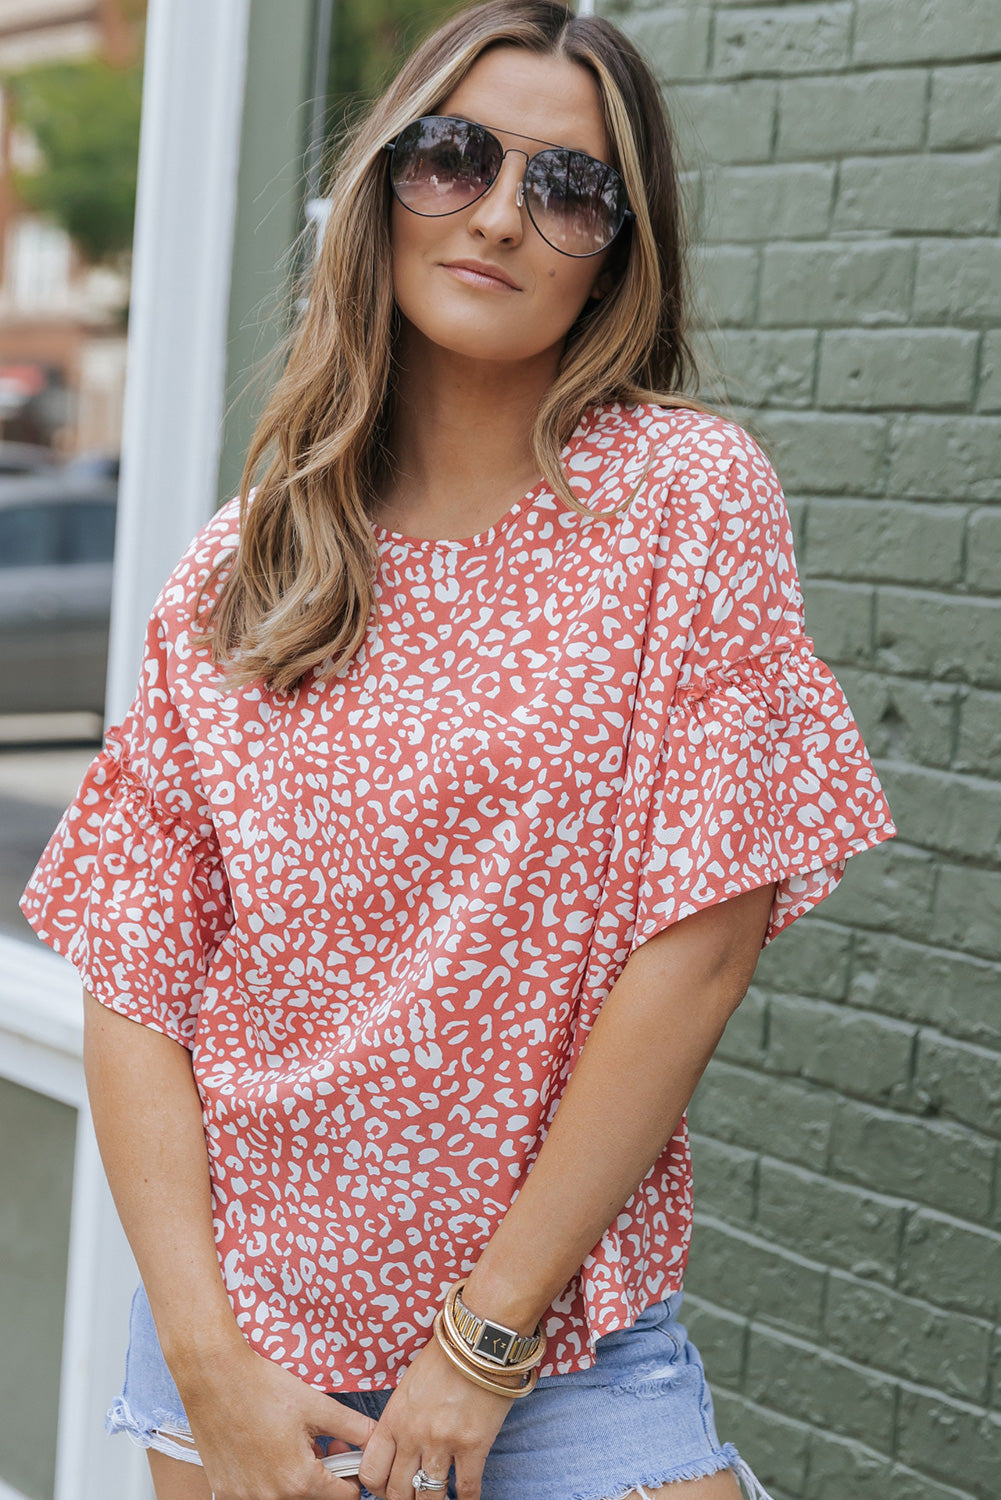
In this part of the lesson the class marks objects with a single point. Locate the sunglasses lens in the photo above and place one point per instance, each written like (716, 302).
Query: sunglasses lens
(441, 165)
(577, 203)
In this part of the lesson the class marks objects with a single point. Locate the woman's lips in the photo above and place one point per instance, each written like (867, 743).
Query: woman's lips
(473, 277)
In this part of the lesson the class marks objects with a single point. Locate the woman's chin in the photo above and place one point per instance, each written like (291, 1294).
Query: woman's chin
(483, 342)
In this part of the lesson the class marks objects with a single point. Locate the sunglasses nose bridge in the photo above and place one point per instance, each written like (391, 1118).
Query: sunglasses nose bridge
(515, 151)
(519, 191)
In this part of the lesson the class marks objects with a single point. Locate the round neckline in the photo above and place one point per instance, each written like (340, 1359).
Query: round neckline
(463, 543)
(486, 538)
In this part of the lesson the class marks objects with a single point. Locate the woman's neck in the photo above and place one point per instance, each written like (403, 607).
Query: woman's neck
(460, 437)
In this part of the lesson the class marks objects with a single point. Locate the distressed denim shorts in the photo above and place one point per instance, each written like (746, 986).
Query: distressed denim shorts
(640, 1417)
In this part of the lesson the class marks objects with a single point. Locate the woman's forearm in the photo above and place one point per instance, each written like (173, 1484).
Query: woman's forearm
(148, 1121)
(638, 1068)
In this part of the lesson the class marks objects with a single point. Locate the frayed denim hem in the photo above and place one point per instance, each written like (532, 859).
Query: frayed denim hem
(726, 1458)
(165, 1436)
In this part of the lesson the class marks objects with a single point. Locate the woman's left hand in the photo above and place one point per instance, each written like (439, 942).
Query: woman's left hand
(434, 1418)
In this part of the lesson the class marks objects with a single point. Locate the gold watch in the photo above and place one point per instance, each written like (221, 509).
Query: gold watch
(492, 1341)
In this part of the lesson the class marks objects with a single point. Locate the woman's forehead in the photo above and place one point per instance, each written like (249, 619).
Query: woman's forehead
(550, 100)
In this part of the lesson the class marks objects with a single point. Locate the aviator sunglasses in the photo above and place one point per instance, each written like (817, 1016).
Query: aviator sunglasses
(442, 164)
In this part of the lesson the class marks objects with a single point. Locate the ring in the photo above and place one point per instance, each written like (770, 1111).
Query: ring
(423, 1481)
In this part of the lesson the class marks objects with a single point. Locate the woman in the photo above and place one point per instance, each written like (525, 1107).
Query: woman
(453, 810)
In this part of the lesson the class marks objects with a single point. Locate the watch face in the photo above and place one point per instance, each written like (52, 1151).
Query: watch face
(494, 1342)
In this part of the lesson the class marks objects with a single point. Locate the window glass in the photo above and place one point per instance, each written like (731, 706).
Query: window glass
(70, 105)
(89, 531)
(35, 1201)
(368, 44)
(29, 535)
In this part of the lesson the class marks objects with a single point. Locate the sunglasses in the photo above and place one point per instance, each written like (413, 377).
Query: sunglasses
(442, 164)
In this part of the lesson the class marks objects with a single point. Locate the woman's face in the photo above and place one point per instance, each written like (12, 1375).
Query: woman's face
(554, 102)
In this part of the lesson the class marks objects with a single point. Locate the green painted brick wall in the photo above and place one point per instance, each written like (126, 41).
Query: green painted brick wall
(843, 167)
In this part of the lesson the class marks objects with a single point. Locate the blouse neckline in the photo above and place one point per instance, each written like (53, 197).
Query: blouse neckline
(483, 540)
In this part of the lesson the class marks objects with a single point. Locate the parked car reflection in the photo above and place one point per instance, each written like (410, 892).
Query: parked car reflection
(92, 465)
(26, 458)
(57, 538)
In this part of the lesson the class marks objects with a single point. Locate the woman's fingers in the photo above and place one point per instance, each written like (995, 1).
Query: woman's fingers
(255, 1427)
(377, 1462)
(333, 1418)
(401, 1476)
(437, 1467)
(468, 1475)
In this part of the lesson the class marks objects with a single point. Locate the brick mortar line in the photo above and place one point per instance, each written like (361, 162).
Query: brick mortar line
(946, 502)
(852, 36)
(847, 238)
(668, 82)
(931, 594)
(919, 1028)
(937, 950)
(711, 38)
(908, 1111)
(829, 1272)
(862, 69)
(854, 68)
(887, 1200)
(985, 865)
(877, 582)
(884, 153)
(935, 1123)
(912, 1387)
(808, 1430)
(926, 113)
(910, 1211)
(943, 502)
(964, 538)
(957, 705)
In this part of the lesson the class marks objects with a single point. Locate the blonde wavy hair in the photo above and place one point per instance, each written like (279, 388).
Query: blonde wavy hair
(300, 590)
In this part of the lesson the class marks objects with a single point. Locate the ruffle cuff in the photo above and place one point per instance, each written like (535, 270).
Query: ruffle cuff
(134, 898)
(763, 776)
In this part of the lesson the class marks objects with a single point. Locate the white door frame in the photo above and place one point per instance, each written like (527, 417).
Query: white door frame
(192, 116)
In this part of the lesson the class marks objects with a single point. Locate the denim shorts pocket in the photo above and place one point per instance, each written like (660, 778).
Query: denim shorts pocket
(625, 1351)
(654, 1363)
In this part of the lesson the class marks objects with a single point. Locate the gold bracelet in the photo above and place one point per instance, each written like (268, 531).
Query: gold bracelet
(471, 1374)
(480, 1361)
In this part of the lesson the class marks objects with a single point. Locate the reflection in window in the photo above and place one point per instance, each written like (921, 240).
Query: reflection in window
(89, 532)
(29, 535)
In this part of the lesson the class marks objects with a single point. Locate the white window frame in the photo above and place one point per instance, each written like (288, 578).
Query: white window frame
(192, 113)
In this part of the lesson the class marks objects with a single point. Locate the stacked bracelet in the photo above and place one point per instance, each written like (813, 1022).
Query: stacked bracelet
(489, 1342)
(464, 1338)
(461, 1363)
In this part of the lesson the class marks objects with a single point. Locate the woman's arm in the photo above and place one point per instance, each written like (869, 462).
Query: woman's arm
(148, 1121)
(253, 1422)
(654, 1034)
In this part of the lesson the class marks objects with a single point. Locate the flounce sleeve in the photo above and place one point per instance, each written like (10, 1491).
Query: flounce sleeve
(762, 774)
(131, 887)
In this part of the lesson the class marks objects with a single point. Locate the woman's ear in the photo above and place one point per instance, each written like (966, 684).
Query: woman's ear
(602, 286)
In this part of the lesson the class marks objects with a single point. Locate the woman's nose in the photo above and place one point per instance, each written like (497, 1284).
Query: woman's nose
(498, 213)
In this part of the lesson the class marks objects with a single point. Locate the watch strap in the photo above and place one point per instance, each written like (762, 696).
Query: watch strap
(491, 1340)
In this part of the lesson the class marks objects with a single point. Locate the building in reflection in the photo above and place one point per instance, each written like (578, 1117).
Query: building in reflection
(63, 307)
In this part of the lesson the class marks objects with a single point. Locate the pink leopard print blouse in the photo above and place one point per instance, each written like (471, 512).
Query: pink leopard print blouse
(383, 911)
